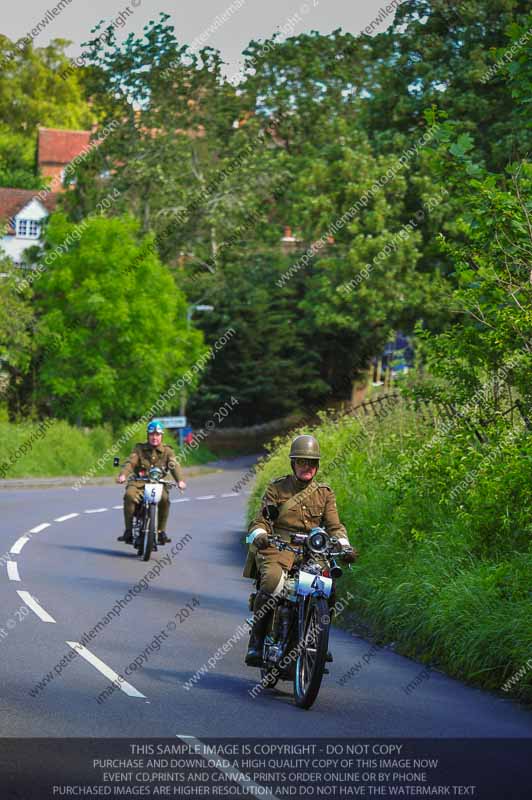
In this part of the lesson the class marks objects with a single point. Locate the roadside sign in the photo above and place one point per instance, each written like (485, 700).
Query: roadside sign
(174, 422)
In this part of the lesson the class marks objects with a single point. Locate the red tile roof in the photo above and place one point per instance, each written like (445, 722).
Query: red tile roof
(60, 147)
(13, 200)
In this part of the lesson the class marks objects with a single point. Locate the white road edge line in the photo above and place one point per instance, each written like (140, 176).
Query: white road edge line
(32, 603)
(67, 516)
(19, 544)
(12, 571)
(39, 528)
(237, 777)
(105, 670)
(95, 510)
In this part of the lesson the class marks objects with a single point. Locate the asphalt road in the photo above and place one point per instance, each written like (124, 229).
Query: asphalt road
(77, 572)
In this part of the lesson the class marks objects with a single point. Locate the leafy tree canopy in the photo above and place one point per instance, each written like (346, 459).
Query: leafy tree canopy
(117, 322)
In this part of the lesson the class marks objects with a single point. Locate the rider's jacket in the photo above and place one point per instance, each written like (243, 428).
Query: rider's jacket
(145, 456)
(314, 505)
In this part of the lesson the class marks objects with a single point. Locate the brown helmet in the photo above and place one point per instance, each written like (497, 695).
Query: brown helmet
(305, 447)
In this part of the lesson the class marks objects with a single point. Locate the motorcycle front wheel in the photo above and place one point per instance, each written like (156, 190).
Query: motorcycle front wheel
(311, 660)
(149, 534)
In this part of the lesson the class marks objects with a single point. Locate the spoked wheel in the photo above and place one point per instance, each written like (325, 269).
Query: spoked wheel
(149, 534)
(311, 660)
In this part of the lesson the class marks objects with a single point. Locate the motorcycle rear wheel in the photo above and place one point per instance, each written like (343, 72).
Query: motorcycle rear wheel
(311, 661)
(149, 534)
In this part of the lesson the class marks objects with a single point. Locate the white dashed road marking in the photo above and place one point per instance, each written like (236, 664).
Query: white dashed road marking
(12, 571)
(67, 516)
(205, 497)
(19, 544)
(229, 494)
(39, 528)
(120, 507)
(95, 510)
(105, 670)
(32, 603)
(182, 500)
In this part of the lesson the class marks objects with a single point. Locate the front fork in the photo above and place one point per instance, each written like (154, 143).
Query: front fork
(143, 522)
(301, 608)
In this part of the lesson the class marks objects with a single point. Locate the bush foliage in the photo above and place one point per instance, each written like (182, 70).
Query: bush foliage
(445, 574)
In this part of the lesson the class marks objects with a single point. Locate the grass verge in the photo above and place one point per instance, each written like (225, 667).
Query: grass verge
(54, 448)
(443, 527)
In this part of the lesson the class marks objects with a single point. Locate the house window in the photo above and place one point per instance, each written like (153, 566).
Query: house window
(28, 229)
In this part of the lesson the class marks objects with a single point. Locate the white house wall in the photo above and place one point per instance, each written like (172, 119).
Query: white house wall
(14, 246)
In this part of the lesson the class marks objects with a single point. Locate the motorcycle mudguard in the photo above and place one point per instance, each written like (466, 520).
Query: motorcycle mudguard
(313, 584)
(153, 493)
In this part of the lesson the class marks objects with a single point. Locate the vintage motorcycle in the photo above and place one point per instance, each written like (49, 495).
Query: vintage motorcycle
(297, 637)
(144, 526)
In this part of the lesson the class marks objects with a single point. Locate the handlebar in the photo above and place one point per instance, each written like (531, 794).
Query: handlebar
(276, 541)
(150, 480)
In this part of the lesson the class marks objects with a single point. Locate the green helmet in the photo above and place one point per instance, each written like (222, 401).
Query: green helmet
(305, 447)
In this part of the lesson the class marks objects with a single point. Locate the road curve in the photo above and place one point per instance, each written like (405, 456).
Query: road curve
(63, 572)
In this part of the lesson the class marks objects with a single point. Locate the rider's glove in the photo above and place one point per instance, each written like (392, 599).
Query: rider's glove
(349, 554)
(259, 538)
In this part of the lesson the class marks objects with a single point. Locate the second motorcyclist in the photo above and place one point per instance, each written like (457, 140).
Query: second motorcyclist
(152, 453)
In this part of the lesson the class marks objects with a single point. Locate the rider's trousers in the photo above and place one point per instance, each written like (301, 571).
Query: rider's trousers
(134, 494)
(271, 564)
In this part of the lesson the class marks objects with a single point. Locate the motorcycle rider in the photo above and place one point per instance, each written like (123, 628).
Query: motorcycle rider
(152, 453)
(303, 504)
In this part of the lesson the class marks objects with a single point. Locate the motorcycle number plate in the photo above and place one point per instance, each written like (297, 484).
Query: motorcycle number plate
(153, 492)
(312, 584)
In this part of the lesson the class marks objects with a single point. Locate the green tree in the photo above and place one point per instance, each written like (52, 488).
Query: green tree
(493, 298)
(364, 283)
(182, 164)
(272, 364)
(491, 348)
(16, 321)
(33, 94)
(112, 326)
(439, 52)
(18, 161)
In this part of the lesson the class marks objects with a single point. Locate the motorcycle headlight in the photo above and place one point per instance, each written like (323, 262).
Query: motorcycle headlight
(155, 473)
(317, 540)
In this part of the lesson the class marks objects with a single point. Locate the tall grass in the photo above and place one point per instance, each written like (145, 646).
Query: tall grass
(445, 574)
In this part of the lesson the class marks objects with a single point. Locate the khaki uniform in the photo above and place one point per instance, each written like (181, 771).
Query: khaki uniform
(315, 507)
(143, 457)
